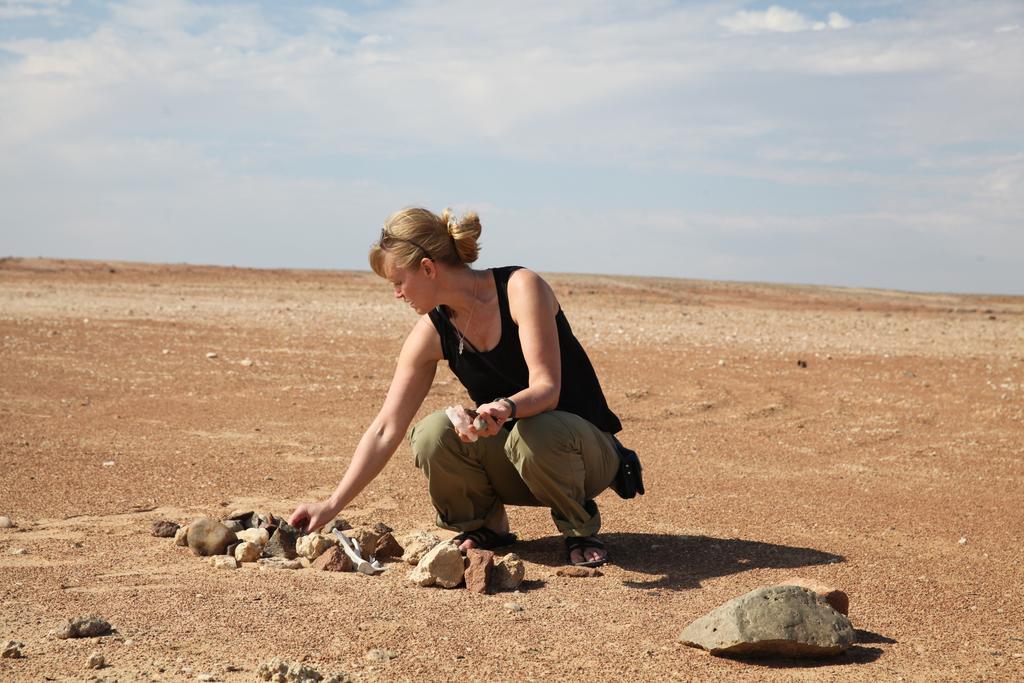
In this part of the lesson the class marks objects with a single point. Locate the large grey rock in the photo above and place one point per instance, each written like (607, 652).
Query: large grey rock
(779, 620)
(84, 627)
(207, 536)
(441, 566)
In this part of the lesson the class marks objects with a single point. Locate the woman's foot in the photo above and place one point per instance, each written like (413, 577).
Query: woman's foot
(493, 534)
(586, 551)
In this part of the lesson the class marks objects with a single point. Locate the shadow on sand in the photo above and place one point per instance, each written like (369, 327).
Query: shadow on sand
(681, 562)
(858, 654)
(855, 655)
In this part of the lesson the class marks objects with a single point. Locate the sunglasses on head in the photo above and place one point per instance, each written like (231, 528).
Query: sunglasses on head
(387, 239)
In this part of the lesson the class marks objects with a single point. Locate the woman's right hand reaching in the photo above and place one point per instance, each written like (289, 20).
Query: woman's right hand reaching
(309, 517)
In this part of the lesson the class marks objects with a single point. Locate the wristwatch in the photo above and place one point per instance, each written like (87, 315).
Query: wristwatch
(511, 405)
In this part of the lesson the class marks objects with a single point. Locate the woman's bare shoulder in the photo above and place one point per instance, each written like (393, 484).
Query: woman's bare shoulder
(527, 288)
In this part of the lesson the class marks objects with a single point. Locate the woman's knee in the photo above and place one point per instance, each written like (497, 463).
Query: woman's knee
(430, 436)
(537, 436)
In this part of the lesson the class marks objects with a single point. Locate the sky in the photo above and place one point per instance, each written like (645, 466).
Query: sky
(868, 144)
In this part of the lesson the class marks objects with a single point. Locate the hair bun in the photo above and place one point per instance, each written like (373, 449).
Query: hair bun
(448, 216)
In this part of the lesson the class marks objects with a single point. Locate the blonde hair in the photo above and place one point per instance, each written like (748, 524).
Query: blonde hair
(414, 233)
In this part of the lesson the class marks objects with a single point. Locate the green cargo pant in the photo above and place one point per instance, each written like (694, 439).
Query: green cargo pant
(556, 460)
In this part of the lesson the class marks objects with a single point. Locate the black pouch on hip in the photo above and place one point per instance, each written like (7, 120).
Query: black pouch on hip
(630, 480)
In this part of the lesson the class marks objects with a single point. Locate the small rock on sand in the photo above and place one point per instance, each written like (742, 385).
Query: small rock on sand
(441, 566)
(19, 551)
(164, 528)
(12, 650)
(207, 536)
(578, 572)
(282, 543)
(380, 656)
(243, 515)
(247, 552)
(224, 562)
(508, 573)
(416, 546)
(312, 546)
(339, 523)
(513, 607)
(479, 568)
(366, 538)
(91, 626)
(333, 560)
(211, 355)
(278, 563)
(388, 547)
(255, 536)
(96, 661)
(6, 523)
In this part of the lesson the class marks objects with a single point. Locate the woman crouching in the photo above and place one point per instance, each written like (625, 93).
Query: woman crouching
(542, 435)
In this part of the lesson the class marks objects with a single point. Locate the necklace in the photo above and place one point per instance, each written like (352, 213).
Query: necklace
(469, 320)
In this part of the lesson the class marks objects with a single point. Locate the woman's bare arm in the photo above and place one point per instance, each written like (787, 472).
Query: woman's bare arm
(414, 374)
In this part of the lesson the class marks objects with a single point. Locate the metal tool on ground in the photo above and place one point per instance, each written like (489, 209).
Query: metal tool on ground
(351, 548)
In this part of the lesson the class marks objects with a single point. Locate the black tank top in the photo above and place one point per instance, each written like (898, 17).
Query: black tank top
(502, 371)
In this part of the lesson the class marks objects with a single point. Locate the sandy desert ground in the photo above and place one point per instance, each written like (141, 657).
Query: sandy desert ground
(891, 466)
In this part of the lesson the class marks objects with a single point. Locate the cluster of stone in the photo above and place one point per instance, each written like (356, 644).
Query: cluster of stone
(441, 564)
(799, 618)
(246, 536)
(283, 671)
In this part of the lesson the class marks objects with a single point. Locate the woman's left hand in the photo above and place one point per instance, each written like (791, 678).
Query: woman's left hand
(495, 414)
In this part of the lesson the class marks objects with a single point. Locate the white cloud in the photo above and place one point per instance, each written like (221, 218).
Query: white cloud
(838, 21)
(885, 118)
(777, 19)
(22, 9)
